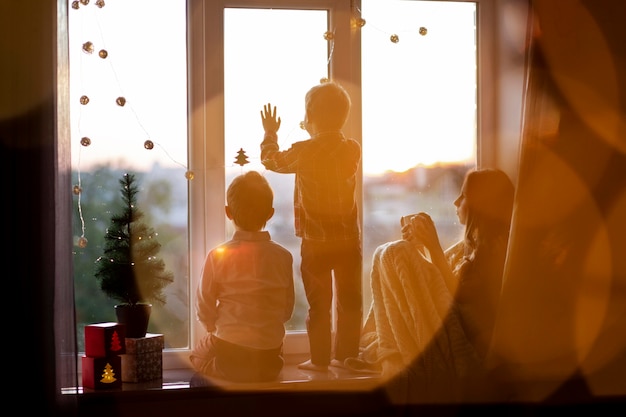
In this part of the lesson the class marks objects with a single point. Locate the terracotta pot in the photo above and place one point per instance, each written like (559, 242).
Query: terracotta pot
(134, 317)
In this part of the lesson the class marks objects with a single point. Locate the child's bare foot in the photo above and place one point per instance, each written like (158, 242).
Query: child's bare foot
(310, 366)
(336, 363)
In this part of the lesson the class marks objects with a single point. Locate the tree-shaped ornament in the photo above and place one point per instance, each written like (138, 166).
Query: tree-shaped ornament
(108, 375)
(129, 270)
(115, 342)
(242, 158)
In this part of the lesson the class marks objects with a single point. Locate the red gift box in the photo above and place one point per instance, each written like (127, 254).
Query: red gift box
(143, 360)
(105, 339)
(102, 373)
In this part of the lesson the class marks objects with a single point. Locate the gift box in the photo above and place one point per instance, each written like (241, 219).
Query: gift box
(152, 342)
(102, 372)
(143, 360)
(105, 339)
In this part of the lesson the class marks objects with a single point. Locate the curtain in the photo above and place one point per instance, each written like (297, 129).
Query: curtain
(65, 346)
(561, 331)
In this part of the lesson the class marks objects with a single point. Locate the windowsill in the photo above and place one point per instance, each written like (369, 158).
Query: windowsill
(291, 378)
(296, 392)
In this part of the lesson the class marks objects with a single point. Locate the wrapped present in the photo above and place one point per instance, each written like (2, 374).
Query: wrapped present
(147, 366)
(143, 360)
(102, 372)
(105, 339)
(152, 342)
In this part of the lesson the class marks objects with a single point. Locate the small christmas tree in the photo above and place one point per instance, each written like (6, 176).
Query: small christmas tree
(129, 270)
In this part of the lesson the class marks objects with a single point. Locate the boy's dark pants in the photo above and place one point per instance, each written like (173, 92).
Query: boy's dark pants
(320, 262)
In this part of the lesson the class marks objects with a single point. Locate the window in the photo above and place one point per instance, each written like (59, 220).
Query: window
(418, 65)
(262, 63)
(276, 56)
(128, 96)
(199, 73)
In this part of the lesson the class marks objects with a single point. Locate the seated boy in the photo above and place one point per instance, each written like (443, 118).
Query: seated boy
(246, 294)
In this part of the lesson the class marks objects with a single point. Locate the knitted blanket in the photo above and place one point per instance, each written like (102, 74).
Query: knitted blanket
(413, 322)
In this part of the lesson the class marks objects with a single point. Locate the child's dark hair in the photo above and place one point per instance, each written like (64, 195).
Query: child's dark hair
(250, 199)
(328, 104)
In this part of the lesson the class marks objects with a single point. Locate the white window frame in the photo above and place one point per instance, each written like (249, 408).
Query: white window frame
(207, 224)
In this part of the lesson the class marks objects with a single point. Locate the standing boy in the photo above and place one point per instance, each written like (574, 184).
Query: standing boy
(247, 292)
(326, 219)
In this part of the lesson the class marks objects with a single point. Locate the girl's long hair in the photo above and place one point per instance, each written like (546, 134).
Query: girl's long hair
(489, 193)
(489, 197)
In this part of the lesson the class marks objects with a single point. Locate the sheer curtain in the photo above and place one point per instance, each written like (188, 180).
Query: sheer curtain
(65, 347)
(561, 331)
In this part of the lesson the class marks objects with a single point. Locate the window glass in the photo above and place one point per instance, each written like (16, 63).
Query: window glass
(418, 103)
(128, 114)
(419, 115)
(271, 56)
(418, 130)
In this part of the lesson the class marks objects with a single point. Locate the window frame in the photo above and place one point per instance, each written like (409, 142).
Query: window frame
(206, 129)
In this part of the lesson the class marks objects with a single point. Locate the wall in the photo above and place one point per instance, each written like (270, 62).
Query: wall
(30, 193)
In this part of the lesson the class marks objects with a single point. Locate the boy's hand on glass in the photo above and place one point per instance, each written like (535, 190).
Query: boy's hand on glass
(271, 123)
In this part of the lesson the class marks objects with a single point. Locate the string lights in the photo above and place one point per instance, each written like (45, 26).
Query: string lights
(358, 22)
(88, 47)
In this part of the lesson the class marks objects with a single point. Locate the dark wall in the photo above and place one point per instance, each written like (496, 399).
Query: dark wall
(27, 141)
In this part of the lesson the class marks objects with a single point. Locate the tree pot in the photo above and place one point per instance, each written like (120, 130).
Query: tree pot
(134, 317)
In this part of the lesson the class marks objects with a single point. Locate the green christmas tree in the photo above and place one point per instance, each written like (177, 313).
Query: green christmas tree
(129, 270)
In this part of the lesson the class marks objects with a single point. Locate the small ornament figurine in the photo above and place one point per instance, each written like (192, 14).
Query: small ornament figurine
(108, 375)
(241, 159)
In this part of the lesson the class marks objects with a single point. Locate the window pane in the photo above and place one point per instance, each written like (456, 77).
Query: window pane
(419, 115)
(139, 54)
(279, 64)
